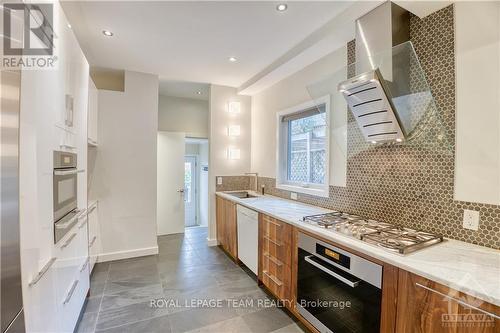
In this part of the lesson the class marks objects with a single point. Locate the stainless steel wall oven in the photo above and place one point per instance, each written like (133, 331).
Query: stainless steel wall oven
(337, 291)
(65, 193)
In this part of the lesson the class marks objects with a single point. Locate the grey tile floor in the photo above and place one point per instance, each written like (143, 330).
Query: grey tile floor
(187, 287)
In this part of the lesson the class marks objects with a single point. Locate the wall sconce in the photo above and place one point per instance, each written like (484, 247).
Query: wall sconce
(234, 130)
(234, 107)
(233, 154)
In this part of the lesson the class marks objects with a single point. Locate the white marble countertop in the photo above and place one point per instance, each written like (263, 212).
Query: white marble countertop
(466, 267)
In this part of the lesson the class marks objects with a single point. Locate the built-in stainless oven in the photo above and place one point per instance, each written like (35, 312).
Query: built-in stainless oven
(337, 291)
(65, 193)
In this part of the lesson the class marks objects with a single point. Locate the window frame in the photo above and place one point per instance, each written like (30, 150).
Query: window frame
(282, 150)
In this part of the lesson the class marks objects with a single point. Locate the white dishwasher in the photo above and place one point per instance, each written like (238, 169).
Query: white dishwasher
(248, 229)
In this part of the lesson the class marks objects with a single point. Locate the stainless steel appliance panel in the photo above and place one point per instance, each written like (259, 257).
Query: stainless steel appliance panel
(332, 294)
(11, 291)
(64, 184)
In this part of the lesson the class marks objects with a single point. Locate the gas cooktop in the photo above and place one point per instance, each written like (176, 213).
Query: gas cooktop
(385, 235)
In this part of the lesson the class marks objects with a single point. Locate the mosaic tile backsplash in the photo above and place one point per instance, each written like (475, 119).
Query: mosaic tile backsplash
(410, 185)
(234, 183)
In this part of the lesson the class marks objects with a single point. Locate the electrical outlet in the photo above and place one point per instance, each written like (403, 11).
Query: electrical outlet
(471, 219)
(293, 196)
(219, 180)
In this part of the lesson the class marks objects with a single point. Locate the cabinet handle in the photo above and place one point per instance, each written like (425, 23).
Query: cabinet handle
(92, 241)
(273, 223)
(83, 224)
(70, 293)
(67, 172)
(273, 259)
(82, 213)
(92, 209)
(458, 301)
(85, 264)
(350, 283)
(68, 241)
(273, 241)
(42, 272)
(274, 279)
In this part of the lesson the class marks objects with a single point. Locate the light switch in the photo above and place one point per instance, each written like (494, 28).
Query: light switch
(219, 180)
(471, 219)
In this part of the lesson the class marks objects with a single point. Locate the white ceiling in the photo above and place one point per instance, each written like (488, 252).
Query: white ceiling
(192, 41)
(184, 89)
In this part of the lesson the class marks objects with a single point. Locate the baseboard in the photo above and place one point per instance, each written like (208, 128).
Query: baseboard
(212, 242)
(147, 251)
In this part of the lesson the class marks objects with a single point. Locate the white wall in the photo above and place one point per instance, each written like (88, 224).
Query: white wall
(186, 115)
(293, 91)
(220, 119)
(125, 168)
(477, 43)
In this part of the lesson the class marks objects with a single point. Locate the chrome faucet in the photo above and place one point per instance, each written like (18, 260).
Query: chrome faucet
(256, 174)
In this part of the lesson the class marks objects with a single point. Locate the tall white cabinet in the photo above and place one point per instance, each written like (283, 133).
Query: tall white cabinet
(93, 114)
(93, 207)
(55, 277)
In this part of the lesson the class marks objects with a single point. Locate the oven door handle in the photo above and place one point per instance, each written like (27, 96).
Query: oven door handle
(67, 172)
(352, 284)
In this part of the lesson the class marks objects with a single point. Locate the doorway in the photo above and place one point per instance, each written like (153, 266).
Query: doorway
(196, 183)
(190, 191)
(182, 183)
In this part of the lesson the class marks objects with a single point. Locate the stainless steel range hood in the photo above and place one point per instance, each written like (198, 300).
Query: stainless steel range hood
(388, 94)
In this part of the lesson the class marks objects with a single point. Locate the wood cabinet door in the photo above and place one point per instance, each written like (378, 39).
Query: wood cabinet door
(231, 233)
(426, 306)
(220, 222)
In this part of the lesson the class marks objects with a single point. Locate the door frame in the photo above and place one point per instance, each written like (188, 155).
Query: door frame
(197, 190)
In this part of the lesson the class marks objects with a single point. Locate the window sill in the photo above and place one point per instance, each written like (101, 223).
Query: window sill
(319, 192)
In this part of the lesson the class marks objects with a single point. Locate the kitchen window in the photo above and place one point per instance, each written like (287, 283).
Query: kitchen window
(303, 149)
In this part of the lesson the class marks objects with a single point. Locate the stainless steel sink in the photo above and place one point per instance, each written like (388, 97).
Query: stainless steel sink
(242, 195)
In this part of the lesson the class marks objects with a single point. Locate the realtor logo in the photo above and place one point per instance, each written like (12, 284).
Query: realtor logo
(28, 36)
(38, 22)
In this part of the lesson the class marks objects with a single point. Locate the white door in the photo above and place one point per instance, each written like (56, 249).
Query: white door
(190, 190)
(170, 183)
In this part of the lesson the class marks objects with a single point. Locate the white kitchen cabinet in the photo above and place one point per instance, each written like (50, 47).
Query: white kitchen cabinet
(42, 131)
(40, 297)
(72, 275)
(94, 234)
(92, 113)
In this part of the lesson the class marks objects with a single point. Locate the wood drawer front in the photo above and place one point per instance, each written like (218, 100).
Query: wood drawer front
(274, 266)
(276, 249)
(276, 230)
(277, 286)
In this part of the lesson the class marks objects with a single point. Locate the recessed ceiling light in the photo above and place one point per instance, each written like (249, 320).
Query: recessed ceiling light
(198, 92)
(69, 25)
(232, 59)
(281, 7)
(107, 33)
